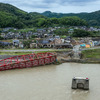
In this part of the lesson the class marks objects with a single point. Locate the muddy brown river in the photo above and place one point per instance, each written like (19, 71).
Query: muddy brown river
(50, 82)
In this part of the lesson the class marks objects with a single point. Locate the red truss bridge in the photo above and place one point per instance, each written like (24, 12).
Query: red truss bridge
(26, 61)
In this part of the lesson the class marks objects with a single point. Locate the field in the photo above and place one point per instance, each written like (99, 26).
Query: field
(94, 53)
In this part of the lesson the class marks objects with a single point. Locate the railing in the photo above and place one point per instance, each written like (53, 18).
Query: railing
(26, 61)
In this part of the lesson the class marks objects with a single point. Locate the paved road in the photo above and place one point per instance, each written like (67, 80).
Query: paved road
(27, 50)
(76, 48)
(32, 50)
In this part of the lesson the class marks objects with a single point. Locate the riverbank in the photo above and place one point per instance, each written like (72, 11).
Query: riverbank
(91, 54)
(88, 56)
(91, 61)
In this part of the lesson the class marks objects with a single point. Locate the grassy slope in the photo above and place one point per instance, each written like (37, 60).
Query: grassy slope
(95, 53)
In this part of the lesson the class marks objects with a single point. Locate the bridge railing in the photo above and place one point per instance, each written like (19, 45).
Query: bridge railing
(29, 60)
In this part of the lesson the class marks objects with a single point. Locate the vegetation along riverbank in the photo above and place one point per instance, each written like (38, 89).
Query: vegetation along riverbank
(92, 56)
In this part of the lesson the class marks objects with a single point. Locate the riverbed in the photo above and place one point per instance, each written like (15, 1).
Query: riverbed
(50, 82)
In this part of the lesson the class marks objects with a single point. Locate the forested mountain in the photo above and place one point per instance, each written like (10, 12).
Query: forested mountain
(11, 16)
(12, 10)
(92, 18)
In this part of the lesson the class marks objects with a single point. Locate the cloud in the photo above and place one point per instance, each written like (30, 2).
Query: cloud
(70, 2)
(65, 6)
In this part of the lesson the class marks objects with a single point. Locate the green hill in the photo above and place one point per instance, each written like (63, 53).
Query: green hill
(12, 10)
(92, 18)
(11, 16)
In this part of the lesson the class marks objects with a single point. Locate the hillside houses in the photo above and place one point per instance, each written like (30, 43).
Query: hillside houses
(54, 42)
(40, 33)
(51, 42)
(87, 28)
(46, 38)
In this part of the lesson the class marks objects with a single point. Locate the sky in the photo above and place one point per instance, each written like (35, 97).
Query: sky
(59, 6)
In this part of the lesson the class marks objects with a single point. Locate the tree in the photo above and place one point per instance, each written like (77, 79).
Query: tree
(27, 43)
(19, 25)
(41, 22)
(33, 36)
(81, 33)
(61, 31)
(72, 21)
(1, 38)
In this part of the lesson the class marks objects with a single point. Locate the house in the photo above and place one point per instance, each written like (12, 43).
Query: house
(16, 42)
(41, 30)
(91, 43)
(5, 43)
(3, 34)
(87, 46)
(33, 45)
(21, 45)
(83, 45)
(67, 39)
(96, 41)
(57, 41)
(70, 31)
(45, 43)
(57, 37)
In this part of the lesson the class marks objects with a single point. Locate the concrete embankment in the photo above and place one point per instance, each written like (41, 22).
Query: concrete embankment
(81, 60)
(75, 56)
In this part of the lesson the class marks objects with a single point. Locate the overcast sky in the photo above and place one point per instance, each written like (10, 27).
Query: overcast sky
(60, 6)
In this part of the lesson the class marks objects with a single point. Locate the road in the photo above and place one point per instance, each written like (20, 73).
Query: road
(29, 50)
(35, 50)
(75, 48)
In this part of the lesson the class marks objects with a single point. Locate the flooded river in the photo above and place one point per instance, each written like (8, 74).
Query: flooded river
(51, 82)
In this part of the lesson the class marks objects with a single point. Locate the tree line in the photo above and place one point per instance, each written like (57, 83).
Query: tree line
(10, 16)
(92, 18)
(8, 20)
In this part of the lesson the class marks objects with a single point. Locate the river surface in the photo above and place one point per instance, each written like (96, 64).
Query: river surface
(50, 82)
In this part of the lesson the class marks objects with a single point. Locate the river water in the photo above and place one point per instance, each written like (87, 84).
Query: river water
(50, 82)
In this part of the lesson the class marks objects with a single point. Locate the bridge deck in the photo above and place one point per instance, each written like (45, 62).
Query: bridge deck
(26, 61)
